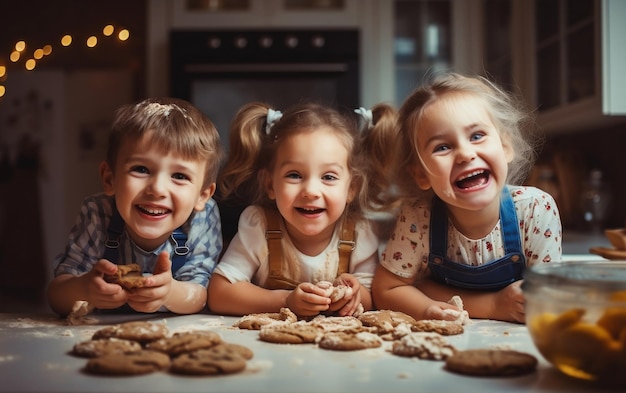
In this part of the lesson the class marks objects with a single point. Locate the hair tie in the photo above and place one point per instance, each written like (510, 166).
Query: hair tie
(367, 115)
(272, 117)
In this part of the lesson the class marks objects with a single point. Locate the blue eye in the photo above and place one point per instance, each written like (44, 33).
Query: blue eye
(477, 136)
(180, 176)
(139, 169)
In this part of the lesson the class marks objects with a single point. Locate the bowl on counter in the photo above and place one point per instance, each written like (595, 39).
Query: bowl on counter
(576, 316)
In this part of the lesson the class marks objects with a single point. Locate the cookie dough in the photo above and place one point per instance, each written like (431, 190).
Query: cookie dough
(424, 345)
(256, 321)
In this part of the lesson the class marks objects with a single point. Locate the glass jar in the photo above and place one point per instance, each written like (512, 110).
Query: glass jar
(576, 316)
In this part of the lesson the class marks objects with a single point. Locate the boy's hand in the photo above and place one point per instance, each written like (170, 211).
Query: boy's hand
(156, 289)
(307, 300)
(100, 293)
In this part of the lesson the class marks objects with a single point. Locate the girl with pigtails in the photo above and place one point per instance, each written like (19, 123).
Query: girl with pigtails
(304, 173)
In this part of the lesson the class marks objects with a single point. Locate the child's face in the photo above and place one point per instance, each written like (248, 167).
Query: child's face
(464, 158)
(155, 192)
(311, 183)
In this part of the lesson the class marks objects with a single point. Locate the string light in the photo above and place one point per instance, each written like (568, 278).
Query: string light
(31, 63)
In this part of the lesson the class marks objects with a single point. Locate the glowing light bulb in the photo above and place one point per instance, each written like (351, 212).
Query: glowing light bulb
(15, 56)
(20, 46)
(3, 71)
(2, 91)
(47, 49)
(30, 64)
(123, 35)
(66, 40)
(92, 41)
(38, 54)
(108, 30)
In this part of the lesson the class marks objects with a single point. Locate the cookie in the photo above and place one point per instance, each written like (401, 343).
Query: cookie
(345, 341)
(336, 324)
(220, 359)
(385, 321)
(100, 347)
(128, 363)
(295, 333)
(334, 291)
(445, 328)
(256, 321)
(491, 362)
(141, 331)
(185, 342)
(128, 276)
(424, 345)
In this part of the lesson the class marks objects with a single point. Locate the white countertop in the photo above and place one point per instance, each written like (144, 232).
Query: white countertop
(34, 358)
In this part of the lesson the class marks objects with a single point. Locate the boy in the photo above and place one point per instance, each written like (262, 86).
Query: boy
(156, 211)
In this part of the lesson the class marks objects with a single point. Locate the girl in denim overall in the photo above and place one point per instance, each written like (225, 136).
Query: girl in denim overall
(464, 227)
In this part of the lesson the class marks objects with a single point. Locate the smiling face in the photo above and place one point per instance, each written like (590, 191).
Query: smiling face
(310, 182)
(155, 192)
(464, 158)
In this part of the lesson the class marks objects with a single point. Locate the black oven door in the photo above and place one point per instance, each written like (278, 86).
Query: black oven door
(219, 71)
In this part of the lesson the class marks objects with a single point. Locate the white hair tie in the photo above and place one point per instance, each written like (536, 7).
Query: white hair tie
(367, 115)
(272, 117)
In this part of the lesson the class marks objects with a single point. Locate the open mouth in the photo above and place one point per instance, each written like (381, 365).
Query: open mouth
(309, 211)
(473, 179)
(151, 211)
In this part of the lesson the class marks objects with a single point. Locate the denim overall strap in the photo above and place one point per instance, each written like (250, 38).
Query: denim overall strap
(116, 228)
(492, 275)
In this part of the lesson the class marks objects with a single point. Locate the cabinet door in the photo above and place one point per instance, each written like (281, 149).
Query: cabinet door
(422, 42)
(614, 57)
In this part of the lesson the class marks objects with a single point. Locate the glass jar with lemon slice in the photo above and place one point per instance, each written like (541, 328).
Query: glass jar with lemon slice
(576, 316)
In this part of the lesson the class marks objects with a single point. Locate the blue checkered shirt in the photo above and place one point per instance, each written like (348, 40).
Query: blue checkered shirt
(86, 242)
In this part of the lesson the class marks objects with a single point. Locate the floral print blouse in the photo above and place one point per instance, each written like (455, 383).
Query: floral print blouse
(406, 252)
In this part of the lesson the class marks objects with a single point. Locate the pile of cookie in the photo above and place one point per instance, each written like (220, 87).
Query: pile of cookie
(405, 336)
(423, 339)
(141, 347)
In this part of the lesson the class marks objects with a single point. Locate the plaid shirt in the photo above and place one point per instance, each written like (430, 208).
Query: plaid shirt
(86, 242)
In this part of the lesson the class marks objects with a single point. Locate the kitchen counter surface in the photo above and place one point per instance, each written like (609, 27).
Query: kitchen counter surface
(34, 357)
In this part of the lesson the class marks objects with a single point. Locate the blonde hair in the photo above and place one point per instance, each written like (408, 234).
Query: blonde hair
(508, 113)
(253, 150)
(173, 125)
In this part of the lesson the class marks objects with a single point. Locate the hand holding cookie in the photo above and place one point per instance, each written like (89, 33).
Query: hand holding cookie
(307, 299)
(156, 288)
(99, 293)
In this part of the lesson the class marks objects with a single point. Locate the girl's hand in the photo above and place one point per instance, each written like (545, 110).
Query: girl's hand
(100, 293)
(156, 289)
(307, 300)
(441, 310)
(509, 304)
(350, 302)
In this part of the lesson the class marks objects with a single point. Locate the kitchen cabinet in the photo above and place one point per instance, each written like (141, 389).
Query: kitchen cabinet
(563, 55)
(264, 13)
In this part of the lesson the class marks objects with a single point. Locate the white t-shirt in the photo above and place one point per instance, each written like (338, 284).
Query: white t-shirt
(406, 254)
(247, 256)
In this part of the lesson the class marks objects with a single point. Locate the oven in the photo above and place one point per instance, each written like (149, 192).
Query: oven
(221, 70)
